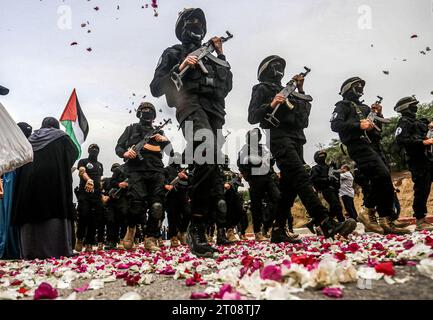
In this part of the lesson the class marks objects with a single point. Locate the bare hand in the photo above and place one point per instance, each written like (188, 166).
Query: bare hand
(183, 176)
(227, 186)
(123, 185)
(377, 108)
(1, 189)
(299, 82)
(279, 99)
(428, 142)
(160, 138)
(168, 187)
(189, 61)
(130, 154)
(90, 187)
(218, 45)
(366, 125)
(105, 199)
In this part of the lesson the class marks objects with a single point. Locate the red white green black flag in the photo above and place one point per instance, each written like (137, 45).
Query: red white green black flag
(75, 122)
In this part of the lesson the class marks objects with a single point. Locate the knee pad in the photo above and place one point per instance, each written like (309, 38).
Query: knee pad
(157, 211)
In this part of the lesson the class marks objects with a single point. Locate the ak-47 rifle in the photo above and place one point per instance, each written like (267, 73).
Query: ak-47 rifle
(139, 146)
(115, 192)
(289, 90)
(202, 52)
(372, 117)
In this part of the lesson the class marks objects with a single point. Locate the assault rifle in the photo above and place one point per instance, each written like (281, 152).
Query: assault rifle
(202, 52)
(289, 90)
(115, 192)
(139, 146)
(372, 117)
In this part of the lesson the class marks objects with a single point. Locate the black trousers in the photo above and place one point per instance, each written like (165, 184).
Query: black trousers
(178, 212)
(117, 210)
(262, 187)
(144, 191)
(349, 205)
(331, 197)
(374, 168)
(90, 210)
(234, 207)
(295, 181)
(422, 175)
(207, 186)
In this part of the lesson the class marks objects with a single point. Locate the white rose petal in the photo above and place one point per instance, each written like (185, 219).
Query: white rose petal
(425, 267)
(131, 296)
(96, 284)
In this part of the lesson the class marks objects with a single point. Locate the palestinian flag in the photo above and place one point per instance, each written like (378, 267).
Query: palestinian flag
(75, 122)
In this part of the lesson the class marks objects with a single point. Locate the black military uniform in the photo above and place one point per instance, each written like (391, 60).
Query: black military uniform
(146, 177)
(177, 202)
(327, 183)
(90, 209)
(286, 142)
(232, 182)
(199, 105)
(410, 135)
(117, 205)
(346, 121)
(255, 163)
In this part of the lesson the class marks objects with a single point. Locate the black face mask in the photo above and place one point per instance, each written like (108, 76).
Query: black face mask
(146, 118)
(321, 159)
(274, 73)
(93, 154)
(193, 31)
(413, 109)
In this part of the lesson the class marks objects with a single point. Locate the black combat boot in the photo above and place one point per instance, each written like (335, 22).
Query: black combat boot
(280, 234)
(222, 237)
(310, 226)
(197, 242)
(330, 227)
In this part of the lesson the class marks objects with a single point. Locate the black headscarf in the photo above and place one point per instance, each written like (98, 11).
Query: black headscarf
(50, 122)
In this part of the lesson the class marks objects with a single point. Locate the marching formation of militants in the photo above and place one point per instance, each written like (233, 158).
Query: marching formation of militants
(201, 197)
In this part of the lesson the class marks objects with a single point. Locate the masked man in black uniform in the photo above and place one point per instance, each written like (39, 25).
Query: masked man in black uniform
(256, 156)
(90, 209)
(327, 183)
(350, 121)
(413, 135)
(200, 106)
(146, 177)
(177, 201)
(232, 182)
(286, 141)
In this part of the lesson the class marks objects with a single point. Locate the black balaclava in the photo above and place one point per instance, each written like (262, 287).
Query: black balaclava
(93, 152)
(274, 72)
(115, 166)
(146, 113)
(355, 93)
(191, 27)
(26, 129)
(320, 157)
(50, 122)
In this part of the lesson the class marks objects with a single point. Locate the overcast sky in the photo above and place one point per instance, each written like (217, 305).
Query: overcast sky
(332, 37)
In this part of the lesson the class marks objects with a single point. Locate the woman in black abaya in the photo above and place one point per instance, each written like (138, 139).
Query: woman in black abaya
(42, 205)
